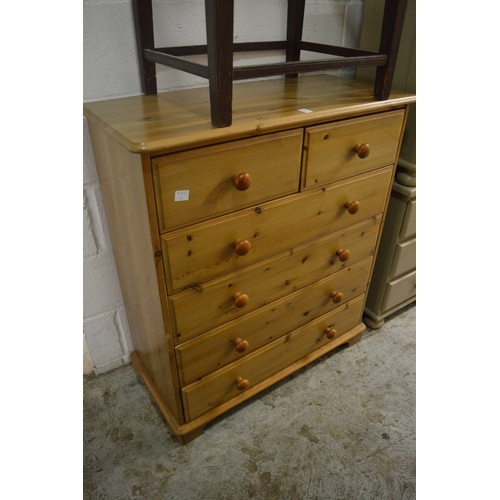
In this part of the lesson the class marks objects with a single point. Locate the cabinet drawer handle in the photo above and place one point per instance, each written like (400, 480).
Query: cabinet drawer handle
(343, 254)
(242, 383)
(362, 150)
(241, 345)
(242, 247)
(330, 332)
(352, 206)
(240, 299)
(337, 297)
(242, 181)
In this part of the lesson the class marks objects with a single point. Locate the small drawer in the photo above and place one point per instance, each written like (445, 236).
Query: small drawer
(220, 386)
(399, 290)
(197, 310)
(405, 258)
(204, 251)
(409, 225)
(330, 150)
(217, 348)
(197, 185)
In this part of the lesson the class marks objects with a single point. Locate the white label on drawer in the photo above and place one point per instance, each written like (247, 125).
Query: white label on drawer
(182, 195)
(304, 110)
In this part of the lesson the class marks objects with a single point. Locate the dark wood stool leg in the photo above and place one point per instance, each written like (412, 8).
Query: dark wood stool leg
(220, 22)
(143, 23)
(294, 27)
(392, 27)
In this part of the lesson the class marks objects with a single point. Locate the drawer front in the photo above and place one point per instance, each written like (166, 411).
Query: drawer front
(409, 225)
(211, 304)
(220, 386)
(200, 184)
(329, 149)
(405, 258)
(239, 338)
(399, 290)
(203, 251)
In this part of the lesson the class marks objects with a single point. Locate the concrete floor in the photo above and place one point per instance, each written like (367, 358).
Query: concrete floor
(340, 428)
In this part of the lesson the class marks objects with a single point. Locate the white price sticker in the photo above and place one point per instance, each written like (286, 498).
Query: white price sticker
(182, 195)
(304, 110)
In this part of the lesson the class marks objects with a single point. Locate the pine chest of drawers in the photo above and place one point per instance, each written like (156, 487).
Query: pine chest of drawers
(243, 253)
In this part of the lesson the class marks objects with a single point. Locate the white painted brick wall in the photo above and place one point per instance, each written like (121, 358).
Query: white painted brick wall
(110, 70)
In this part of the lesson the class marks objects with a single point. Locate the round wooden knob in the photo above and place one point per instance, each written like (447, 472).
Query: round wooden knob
(352, 206)
(240, 299)
(242, 383)
(242, 181)
(240, 345)
(242, 247)
(337, 297)
(343, 254)
(330, 333)
(362, 150)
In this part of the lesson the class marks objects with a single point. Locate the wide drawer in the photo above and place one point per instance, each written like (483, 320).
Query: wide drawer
(197, 310)
(197, 185)
(203, 251)
(399, 290)
(221, 346)
(329, 150)
(405, 258)
(220, 386)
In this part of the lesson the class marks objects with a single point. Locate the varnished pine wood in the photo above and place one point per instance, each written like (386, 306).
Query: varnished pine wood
(330, 154)
(124, 196)
(218, 387)
(214, 349)
(199, 309)
(175, 121)
(204, 251)
(186, 432)
(181, 136)
(273, 162)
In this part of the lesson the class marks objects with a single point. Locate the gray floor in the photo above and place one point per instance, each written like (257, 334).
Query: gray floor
(341, 428)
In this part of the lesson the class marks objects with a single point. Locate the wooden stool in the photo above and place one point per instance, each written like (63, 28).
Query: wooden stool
(220, 47)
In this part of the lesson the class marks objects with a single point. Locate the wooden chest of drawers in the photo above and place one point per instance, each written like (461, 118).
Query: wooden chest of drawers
(243, 253)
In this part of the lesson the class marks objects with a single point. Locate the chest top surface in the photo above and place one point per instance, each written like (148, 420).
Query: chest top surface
(176, 120)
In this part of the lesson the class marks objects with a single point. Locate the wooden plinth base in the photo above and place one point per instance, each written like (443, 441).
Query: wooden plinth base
(191, 430)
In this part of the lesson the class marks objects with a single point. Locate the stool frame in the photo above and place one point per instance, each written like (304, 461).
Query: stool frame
(220, 48)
